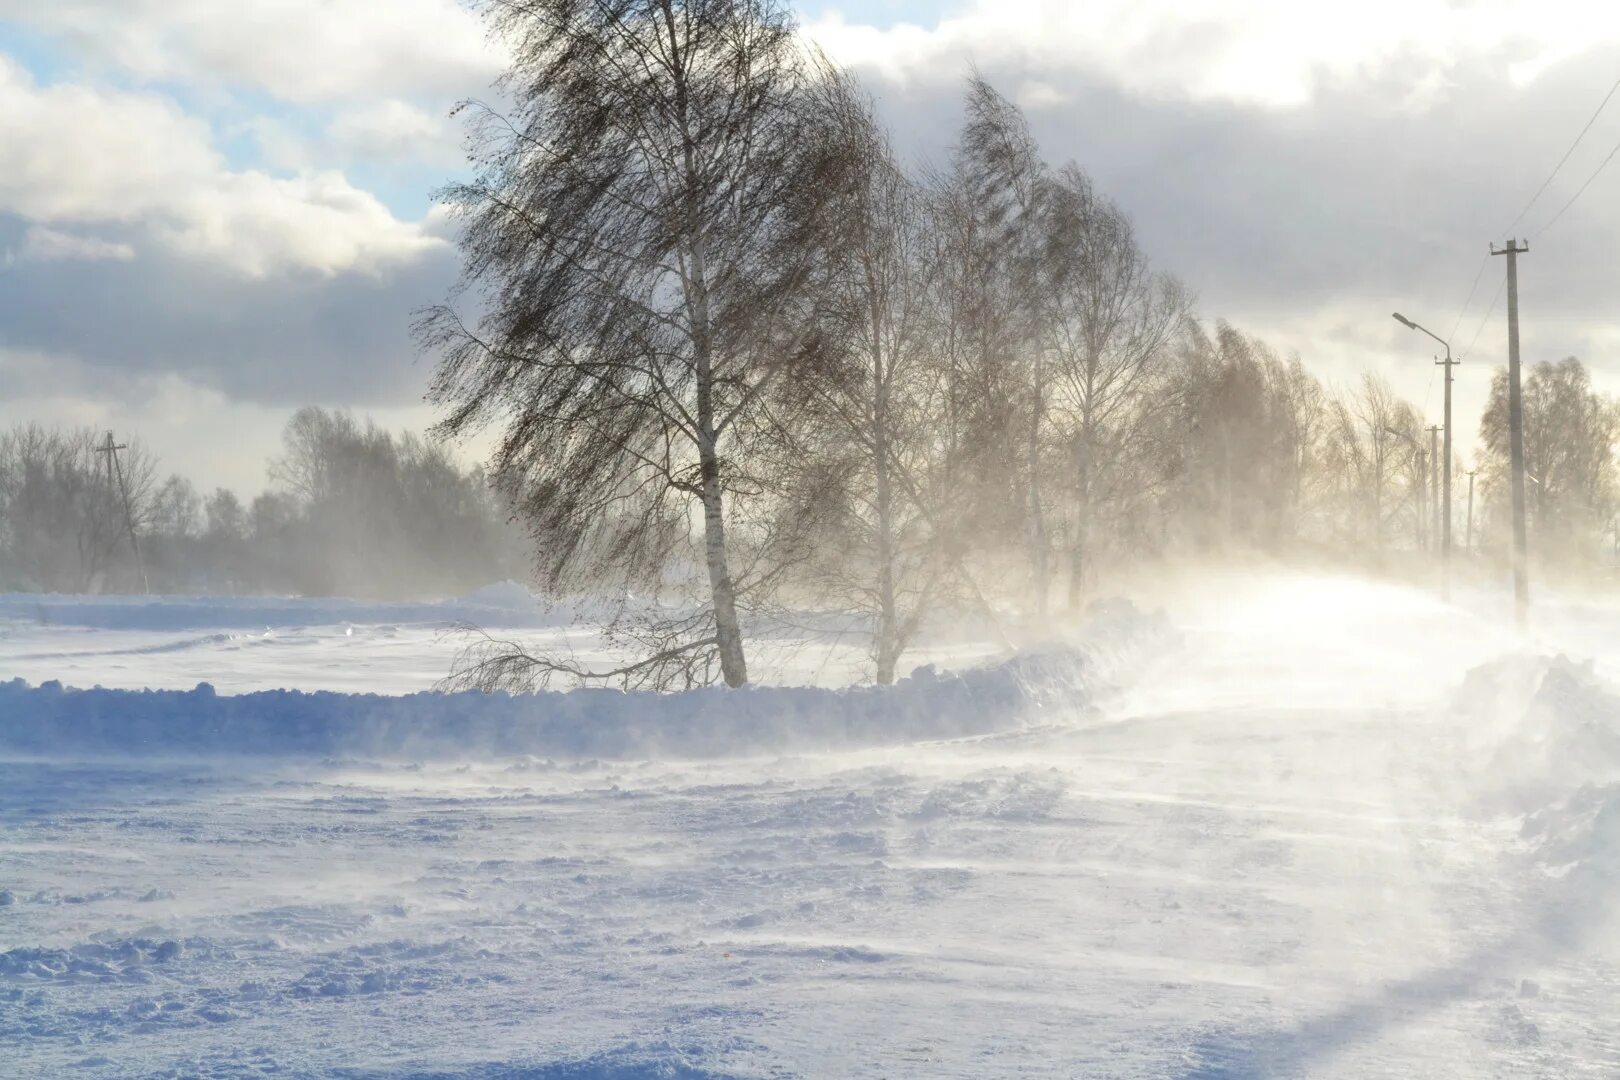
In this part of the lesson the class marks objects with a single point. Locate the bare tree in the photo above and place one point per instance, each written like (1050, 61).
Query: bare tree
(642, 237)
(1371, 438)
(1569, 438)
(1005, 185)
(1111, 321)
(865, 465)
(1249, 427)
(1302, 407)
(62, 521)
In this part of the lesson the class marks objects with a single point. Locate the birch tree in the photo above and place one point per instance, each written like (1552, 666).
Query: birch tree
(1371, 438)
(1112, 320)
(1570, 432)
(1006, 185)
(870, 451)
(641, 243)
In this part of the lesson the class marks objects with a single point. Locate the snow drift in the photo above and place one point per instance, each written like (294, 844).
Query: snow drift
(1546, 745)
(1539, 727)
(1036, 686)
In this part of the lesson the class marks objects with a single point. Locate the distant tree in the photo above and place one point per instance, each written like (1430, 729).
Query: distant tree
(1370, 454)
(62, 516)
(172, 538)
(176, 508)
(280, 561)
(378, 514)
(223, 515)
(1250, 431)
(355, 510)
(1302, 409)
(1569, 438)
(1112, 322)
(224, 541)
(643, 236)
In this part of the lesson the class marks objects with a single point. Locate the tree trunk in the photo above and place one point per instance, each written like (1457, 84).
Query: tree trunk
(1038, 555)
(722, 590)
(887, 651)
(733, 665)
(1082, 522)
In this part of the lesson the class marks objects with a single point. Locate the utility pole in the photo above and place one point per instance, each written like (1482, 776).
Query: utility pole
(114, 467)
(1468, 543)
(1420, 508)
(1443, 515)
(1521, 568)
(1445, 518)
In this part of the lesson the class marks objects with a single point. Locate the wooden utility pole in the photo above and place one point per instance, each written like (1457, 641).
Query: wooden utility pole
(1445, 516)
(1468, 542)
(1521, 567)
(1420, 502)
(115, 468)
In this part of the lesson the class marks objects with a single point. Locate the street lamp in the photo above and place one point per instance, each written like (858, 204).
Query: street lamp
(1445, 520)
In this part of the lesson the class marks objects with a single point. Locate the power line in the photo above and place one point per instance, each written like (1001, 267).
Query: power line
(1601, 165)
(1487, 318)
(1478, 274)
(1550, 176)
(1483, 259)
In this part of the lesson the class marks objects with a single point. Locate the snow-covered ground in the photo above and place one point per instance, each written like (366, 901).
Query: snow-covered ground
(1314, 827)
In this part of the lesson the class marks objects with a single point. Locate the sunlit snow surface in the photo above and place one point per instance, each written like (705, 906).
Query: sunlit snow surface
(1285, 840)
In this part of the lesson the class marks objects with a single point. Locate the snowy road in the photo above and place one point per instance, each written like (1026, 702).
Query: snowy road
(1240, 865)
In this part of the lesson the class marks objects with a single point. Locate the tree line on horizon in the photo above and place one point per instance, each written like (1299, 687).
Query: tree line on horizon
(352, 510)
(741, 359)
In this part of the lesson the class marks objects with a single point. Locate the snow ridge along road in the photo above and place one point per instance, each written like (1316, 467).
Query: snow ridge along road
(1278, 846)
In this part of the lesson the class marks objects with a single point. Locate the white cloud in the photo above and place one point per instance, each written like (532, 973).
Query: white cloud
(1269, 53)
(51, 245)
(389, 132)
(280, 144)
(394, 130)
(1036, 94)
(297, 50)
(316, 221)
(77, 155)
(74, 153)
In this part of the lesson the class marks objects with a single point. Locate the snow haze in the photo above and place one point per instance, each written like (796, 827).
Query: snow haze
(1282, 832)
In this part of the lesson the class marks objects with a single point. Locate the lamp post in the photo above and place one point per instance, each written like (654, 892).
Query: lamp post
(1445, 472)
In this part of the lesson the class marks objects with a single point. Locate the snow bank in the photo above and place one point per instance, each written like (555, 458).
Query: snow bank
(1037, 685)
(1579, 835)
(1539, 727)
(1546, 744)
(49, 719)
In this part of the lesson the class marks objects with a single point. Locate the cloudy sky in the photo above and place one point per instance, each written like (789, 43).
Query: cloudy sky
(211, 213)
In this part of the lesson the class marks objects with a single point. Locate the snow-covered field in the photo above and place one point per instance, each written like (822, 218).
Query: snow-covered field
(240, 644)
(1311, 827)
